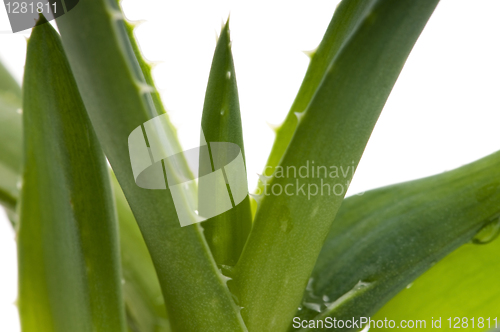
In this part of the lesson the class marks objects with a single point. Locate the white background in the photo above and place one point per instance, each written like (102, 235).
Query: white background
(443, 112)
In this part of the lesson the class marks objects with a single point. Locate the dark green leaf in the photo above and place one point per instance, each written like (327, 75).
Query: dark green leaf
(226, 233)
(142, 294)
(143, 299)
(118, 100)
(289, 230)
(69, 268)
(347, 18)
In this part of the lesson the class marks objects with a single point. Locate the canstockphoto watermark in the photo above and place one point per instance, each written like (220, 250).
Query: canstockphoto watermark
(309, 180)
(24, 14)
(216, 168)
(359, 323)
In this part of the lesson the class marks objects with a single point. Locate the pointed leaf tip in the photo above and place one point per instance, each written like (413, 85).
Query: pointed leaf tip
(41, 20)
(221, 122)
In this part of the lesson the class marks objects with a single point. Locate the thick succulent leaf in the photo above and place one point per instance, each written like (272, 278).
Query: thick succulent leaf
(463, 284)
(389, 236)
(226, 233)
(10, 138)
(118, 100)
(289, 230)
(143, 298)
(142, 293)
(346, 19)
(69, 267)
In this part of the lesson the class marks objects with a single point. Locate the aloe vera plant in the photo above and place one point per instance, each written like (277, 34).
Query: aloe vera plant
(99, 252)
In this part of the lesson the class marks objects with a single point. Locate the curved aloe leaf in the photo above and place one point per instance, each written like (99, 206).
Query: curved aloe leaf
(289, 230)
(69, 268)
(464, 284)
(346, 19)
(389, 236)
(10, 136)
(118, 100)
(226, 233)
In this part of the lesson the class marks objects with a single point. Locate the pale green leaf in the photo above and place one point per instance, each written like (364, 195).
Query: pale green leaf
(463, 284)
(10, 138)
(389, 236)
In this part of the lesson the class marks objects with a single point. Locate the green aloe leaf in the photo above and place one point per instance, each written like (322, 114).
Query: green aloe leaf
(69, 267)
(347, 18)
(464, 284)
(146, 69)
(10, 136)
(142, 293)
(118, 100)
(226, 233)
(143, 298)
(383, 240)
(289, 229)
